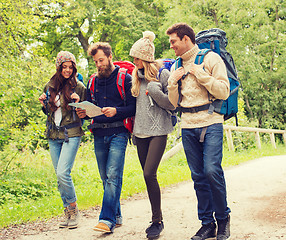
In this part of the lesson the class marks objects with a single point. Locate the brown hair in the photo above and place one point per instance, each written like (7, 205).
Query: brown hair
(63, 86)
(104, 46)
(182, 29)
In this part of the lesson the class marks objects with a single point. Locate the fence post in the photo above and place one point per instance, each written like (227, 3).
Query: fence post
(229, 140)
(258, 140)
(272, 138)
(172, 151)
(284, 138)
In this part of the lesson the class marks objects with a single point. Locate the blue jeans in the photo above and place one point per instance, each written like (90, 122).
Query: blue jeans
(204, 160)
(63, 156)
(110, 155)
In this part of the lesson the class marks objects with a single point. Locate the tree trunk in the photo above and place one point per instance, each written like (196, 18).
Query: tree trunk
(213, 12)
(83, 41)
(248, 106)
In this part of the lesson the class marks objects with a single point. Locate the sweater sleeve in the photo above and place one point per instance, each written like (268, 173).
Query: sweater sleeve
(173, 93)
(214, 79)
(159, 91)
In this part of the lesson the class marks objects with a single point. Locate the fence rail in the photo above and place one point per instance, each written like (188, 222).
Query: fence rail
(271, 133)
(228, 130)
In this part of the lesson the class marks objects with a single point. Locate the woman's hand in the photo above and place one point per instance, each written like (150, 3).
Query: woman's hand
(75, 97)
(42, 98)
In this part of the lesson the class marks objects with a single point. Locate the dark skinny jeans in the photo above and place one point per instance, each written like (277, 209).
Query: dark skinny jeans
(150, 151)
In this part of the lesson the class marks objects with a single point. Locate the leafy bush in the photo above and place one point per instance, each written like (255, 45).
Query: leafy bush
(20, 190)
(26, 177)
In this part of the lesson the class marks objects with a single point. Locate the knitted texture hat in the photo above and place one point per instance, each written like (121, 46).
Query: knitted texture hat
(144, 48)
(64, 56)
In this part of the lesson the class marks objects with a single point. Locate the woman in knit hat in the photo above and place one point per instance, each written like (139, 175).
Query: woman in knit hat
(152, 120)
(64, 130)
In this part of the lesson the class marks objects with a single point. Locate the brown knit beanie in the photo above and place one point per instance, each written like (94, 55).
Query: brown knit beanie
(64, 56)
(144, 48)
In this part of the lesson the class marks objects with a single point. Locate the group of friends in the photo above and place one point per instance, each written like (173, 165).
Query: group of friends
(151, 95)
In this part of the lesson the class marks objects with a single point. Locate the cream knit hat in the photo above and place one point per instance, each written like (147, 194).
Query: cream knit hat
(144, 48)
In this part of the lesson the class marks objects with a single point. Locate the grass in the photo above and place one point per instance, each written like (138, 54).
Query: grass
(29, 168)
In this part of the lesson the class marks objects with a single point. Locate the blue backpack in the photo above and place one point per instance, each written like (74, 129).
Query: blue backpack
(215, 40)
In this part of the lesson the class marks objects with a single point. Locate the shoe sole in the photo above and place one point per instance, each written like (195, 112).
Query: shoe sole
(155, 237)
(72, 227)
(101, 230)
(61, 226)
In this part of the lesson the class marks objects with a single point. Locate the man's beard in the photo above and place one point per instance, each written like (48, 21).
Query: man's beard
(106, 71)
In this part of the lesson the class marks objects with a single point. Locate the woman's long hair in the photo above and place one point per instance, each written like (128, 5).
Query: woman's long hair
(62, 85)
(151, 70)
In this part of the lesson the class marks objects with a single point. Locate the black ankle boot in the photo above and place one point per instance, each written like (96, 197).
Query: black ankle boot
(223, 231)
(207, 231)
(154, 230)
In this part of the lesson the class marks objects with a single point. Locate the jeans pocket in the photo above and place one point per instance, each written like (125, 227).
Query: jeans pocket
(124, 135)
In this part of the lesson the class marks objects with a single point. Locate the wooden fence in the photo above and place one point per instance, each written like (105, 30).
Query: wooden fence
(228, 130)
(271, 132)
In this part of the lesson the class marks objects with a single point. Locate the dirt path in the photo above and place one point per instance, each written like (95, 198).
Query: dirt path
(256, 196)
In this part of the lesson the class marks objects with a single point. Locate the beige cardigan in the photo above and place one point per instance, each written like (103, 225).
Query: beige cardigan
(210, 82)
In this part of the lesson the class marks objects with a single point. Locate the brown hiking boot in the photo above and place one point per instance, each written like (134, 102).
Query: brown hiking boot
(65, 222)
(74, 217)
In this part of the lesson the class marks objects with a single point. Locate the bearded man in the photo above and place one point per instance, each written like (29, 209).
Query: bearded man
(110, 135)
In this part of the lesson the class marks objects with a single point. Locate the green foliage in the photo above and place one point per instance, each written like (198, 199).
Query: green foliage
(21, 85)
(21, 190)
(26, 181)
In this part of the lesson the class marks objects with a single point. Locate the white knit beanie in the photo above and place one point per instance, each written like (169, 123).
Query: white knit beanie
(64, 56)
(144, 48)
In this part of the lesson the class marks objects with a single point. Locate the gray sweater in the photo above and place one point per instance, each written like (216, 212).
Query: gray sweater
(153, 117)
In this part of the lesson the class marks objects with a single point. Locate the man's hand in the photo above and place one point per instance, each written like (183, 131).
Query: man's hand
(109, 111)
(196, 67)
(80, 112)
(177, 74)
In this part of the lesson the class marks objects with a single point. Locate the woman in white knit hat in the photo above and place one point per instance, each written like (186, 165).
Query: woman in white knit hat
(152, 120)
(64, 130)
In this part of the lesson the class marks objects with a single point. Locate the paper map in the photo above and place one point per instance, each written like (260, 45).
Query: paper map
(91, 109)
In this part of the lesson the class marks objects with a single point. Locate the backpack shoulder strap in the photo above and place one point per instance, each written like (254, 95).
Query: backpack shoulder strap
(201, 54)
(90, 83)
(120, 83)
(48, 95)
(178, 62)
(90, 86)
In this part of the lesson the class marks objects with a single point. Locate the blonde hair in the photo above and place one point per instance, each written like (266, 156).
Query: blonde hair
(151, 70)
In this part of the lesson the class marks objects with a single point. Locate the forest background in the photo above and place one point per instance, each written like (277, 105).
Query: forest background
(33, 32)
